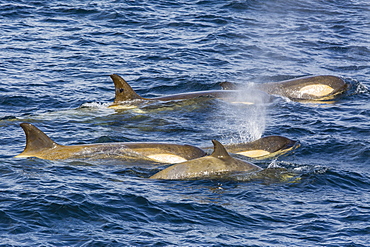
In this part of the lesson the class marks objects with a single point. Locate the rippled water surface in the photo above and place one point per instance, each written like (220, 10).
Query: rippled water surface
(56, 58)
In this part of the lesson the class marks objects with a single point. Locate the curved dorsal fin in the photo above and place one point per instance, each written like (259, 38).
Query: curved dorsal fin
(36, 140)
(124, 91)
(219, 150)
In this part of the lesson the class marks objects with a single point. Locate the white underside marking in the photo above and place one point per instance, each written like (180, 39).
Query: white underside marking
(21, 156)
(254, 153)
(167, 158)
(317, 90)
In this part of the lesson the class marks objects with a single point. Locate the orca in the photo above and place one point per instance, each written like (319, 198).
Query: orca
(310, 88)
(219, 163)
(39, 145)
(126, 97)
(263, 148)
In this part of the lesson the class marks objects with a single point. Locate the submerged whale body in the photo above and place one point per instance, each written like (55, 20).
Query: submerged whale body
(323, 87)
(265, 147)
(125, 94)
(219, 163)
(39, 145)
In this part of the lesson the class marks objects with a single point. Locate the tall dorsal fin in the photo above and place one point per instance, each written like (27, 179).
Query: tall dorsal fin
(124, 91)
(219, 150)
(36, 140)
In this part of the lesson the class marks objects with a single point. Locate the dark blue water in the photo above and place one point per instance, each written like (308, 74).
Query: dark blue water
(56, 58)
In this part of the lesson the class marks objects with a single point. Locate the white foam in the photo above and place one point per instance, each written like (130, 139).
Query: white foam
(95, 105)
(274, 164)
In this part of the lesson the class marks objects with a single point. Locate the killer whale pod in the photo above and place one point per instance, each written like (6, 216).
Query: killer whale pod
(39, 145)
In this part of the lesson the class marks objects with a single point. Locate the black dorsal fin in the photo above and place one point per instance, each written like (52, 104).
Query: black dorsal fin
(219, 150)
(36, 140)
(124, 91)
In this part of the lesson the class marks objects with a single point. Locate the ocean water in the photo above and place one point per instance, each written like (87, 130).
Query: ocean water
(56, 58)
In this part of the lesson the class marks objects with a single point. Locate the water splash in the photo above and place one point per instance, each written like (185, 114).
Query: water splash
(94, 105)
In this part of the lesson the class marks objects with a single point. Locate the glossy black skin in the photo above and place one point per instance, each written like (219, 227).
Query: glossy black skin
(125, 93)
(291, 88)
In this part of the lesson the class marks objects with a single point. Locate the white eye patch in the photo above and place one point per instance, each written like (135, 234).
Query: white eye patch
(318, 90)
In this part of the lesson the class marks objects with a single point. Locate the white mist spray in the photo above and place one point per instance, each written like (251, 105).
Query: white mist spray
(243, 117)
